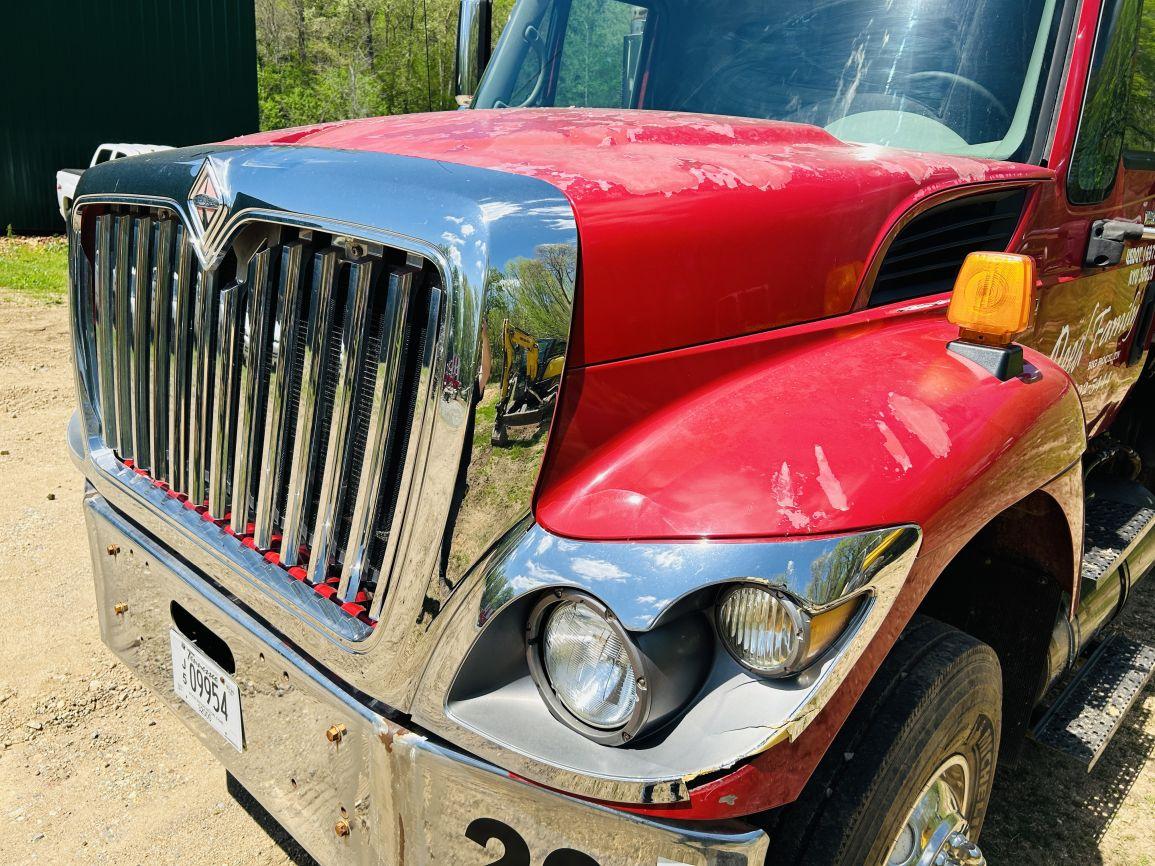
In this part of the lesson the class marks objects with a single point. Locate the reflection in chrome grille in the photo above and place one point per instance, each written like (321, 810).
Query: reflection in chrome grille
(272, 393)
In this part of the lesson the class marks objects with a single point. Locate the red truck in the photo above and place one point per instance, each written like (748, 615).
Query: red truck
(720, 443)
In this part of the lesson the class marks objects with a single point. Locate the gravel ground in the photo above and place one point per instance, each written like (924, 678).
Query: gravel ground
(94, 770)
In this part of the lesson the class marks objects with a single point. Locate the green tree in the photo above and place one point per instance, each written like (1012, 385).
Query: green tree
(324, 60)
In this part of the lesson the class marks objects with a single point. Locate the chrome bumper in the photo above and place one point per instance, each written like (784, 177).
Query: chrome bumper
(406, 799)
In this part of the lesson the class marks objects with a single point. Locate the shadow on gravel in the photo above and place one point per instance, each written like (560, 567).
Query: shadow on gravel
(1048, 810)
(268, 823)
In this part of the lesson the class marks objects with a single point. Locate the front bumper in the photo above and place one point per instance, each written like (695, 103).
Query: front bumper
(406, 798)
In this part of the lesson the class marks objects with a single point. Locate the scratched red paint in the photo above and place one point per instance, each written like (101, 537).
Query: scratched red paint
(749, 224)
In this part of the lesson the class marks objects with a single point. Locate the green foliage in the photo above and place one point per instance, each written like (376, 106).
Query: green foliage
(1119, 112)
(322, 60)
(591, 64)
(1101, 131)
(1140, 132)
(35, 267)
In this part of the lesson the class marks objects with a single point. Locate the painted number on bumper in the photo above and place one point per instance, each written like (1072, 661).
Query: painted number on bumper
(484, 830)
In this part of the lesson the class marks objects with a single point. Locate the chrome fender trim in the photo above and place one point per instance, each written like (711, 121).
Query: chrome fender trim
(735, 715)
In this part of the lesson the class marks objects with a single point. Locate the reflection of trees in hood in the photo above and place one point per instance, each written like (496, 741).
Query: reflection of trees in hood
(536, 295)
(497, 592)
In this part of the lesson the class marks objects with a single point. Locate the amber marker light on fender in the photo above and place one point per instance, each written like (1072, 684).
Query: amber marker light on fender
(994, 297)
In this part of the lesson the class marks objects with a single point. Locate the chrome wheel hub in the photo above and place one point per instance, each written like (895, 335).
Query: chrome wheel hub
(935, 831)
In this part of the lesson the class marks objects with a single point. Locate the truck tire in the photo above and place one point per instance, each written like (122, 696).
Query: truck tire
(912, 768)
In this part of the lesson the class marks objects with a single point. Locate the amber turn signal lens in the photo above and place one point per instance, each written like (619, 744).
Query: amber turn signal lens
(827, 627)
(993, 297)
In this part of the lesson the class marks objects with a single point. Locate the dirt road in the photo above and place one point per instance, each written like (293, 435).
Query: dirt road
(94, 770)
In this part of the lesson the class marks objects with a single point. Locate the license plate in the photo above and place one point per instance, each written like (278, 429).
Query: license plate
(203, 685)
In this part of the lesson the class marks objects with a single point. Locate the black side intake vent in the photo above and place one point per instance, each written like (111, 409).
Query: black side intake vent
(926, 256)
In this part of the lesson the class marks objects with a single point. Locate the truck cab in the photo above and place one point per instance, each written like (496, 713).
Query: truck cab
(723, 441)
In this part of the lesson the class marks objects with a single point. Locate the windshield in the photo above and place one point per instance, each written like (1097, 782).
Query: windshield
(951, 76)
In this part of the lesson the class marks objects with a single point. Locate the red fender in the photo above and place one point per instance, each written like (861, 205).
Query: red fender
(862, 421)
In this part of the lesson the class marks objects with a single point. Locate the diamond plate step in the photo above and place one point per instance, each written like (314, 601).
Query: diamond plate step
(1112, 526)
(1089, 712)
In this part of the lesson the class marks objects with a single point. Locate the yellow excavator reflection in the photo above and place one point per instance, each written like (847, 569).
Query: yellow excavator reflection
(530, 378)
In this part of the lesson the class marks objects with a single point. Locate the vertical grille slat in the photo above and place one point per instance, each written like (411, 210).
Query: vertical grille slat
(254, 357)
(387, 367)
(141, 338)
(276, 383)
(323, 547)
(122, 337)
(280, 380)
(105, 341)
(159, 349)
(180, 347)
(316, 345)
(229, 323)
(200, 402)
(428, 350)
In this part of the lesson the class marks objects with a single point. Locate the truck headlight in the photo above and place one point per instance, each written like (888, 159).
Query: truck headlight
(611, 685)
(588, 665)
(767, 632)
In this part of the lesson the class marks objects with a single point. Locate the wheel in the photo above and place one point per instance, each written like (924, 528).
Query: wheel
(908, 778)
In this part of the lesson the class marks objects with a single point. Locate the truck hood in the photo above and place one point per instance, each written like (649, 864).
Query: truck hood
(692, 228)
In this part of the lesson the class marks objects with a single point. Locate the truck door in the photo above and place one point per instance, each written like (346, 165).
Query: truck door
(1094, 316)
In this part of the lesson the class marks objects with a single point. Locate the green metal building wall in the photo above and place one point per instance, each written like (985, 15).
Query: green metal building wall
(75, 73)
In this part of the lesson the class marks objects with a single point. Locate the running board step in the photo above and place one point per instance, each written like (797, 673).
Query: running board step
(1088, 713)
(1112, 527)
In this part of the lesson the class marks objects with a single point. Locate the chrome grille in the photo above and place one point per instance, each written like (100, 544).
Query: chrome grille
(273, 393)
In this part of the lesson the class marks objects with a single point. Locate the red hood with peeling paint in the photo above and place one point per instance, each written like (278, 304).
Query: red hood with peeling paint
(692, 228)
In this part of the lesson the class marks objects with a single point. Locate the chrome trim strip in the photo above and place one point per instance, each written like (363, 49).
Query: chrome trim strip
(531, 559)
(278, 409)
(399, 287)
(141, 340)
(105, 307)
(735, 715)
(122, 338)
(253, 358)
(322, 550)
(180, 345)
(228, 324)
(160, 348)
(316, 345)
(82, 319)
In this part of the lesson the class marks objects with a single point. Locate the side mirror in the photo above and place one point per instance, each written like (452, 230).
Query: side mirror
(474, 38)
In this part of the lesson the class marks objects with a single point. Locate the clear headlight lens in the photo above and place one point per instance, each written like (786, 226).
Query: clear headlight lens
(763, 630)
(588, 666)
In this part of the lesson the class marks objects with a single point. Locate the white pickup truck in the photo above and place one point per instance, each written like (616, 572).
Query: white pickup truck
(67, 178)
